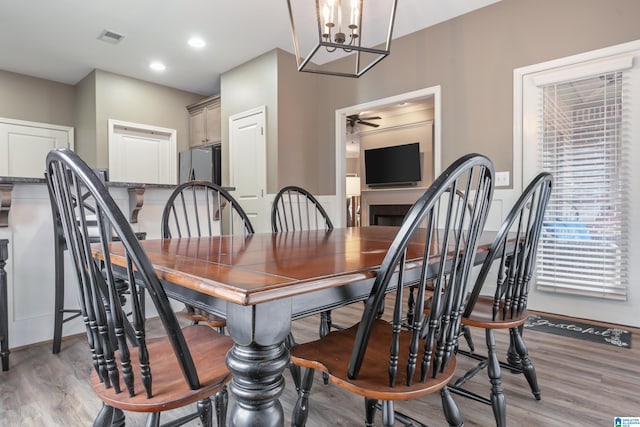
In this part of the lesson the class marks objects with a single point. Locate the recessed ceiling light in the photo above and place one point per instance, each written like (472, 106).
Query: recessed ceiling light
(196, 42)
(157, 66)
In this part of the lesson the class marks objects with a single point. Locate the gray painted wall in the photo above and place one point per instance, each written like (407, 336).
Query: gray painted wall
(36, 100)
(88, 105)
(300, 140)
(137, 101)
(85, 132)
(248, 86)
(472, 58)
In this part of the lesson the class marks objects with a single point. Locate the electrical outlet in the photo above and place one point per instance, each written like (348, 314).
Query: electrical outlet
(502, 179)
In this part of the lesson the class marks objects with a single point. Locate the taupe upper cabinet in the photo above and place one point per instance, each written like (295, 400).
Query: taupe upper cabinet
(204, 122)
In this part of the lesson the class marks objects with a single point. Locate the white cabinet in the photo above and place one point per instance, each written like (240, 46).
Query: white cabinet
(204, 122)
(24, 146)
(141, 153)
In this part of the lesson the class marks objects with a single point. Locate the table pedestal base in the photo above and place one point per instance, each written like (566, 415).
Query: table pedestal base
(257, 361)
(257, 384)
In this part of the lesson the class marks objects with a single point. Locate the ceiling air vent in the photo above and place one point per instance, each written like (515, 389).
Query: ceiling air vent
(110, 37)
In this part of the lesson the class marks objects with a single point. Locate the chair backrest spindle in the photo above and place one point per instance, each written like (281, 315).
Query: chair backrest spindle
(200, 209)
(521, 228)
(427, 250)
(294, 208)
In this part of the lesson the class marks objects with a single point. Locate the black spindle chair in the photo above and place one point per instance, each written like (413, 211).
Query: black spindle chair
(383, 359)
(296, 209)
(153, 374)
(507, 307)
(202, 209)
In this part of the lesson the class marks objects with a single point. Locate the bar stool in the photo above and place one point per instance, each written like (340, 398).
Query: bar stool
(59, 311)
(4, 320)
(63, 315)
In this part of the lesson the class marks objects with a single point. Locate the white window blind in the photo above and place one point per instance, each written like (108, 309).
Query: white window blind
(583, 245)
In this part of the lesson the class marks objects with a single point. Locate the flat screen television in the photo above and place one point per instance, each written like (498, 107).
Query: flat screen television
(396, 165)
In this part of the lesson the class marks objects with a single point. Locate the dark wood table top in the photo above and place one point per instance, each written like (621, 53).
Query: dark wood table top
(269, 266)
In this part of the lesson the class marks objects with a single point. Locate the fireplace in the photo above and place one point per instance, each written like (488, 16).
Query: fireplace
(387, 214)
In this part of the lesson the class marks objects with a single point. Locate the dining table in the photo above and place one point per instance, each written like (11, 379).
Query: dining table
(262, 282)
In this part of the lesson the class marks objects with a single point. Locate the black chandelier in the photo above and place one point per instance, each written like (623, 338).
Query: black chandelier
(341, 47)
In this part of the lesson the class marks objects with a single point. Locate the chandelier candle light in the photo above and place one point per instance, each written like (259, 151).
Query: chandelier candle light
(328, 15)
(340, 47)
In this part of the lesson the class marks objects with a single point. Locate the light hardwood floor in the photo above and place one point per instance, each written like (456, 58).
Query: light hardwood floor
(582, 384)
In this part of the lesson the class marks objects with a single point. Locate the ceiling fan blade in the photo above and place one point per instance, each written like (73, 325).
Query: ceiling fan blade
(370, 118)
(368, 124)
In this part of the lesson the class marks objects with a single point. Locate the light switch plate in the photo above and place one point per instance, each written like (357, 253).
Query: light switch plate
(502, 179)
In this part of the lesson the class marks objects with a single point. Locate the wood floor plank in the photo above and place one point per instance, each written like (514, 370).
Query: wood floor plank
(582, 383)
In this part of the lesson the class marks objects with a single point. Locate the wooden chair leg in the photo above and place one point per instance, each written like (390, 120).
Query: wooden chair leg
(293, 368)
(325, 323)
(301, 410)
(388, 413)
(325, 328)
(221, 400)
(466, 333)
(205, 412)
(118, 418)
(369, 411)
(58, 304)
(451, 411)
(153, 420)
(513, 359)
(498, 402)
(109, 417)
(528, 369)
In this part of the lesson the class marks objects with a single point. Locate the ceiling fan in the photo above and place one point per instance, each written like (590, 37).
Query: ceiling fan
(355, 119)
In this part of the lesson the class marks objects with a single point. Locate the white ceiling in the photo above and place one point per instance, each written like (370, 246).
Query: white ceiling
(58, 39)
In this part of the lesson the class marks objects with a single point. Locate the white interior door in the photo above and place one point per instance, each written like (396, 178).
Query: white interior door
(24, 146)
(247, 164)
(142, 154)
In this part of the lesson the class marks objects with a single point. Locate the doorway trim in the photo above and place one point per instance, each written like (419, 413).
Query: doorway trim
(341, 133)
(587, 307)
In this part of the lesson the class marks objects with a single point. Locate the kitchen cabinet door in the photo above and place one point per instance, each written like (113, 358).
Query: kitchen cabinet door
(197, 132)
(212, 124)
(204, 122)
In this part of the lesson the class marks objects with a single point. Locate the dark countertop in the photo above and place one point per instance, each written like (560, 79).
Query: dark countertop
(18, 180)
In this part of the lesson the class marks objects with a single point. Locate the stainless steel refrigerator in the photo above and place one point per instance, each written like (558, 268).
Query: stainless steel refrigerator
(201, 163)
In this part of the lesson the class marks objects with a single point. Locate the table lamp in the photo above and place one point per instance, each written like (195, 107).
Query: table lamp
(353, 201)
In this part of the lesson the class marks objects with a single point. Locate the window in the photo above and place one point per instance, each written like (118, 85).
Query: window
(582, 142)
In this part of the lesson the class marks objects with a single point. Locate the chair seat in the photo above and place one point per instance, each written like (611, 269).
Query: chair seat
(198, 315)
(170, 390)
(331, 355)
(482, 316)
